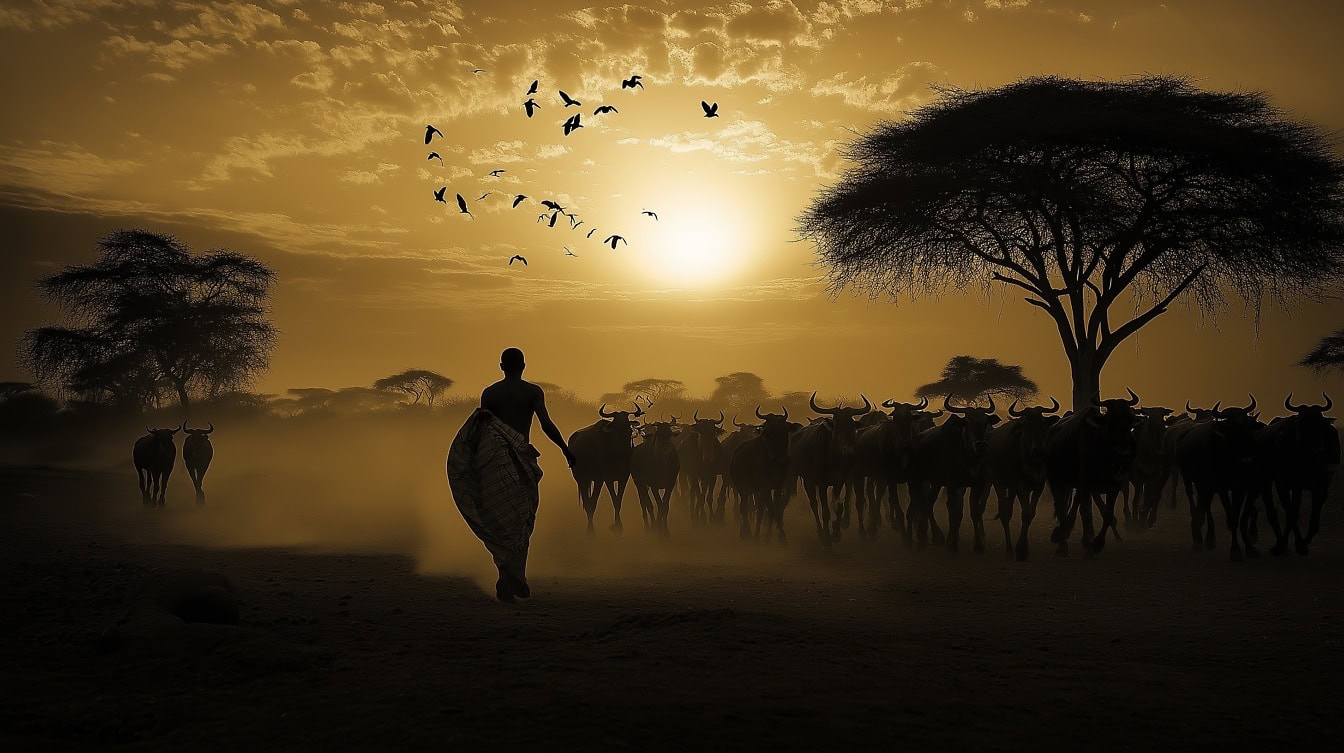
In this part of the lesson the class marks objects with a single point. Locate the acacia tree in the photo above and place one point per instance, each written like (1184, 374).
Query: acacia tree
(149, 317)
(418, 383)
(971, 379)
(1104, 202)
(1327, 355)
(739, 392)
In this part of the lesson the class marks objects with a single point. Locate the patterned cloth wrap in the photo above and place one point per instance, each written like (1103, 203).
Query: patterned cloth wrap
(493, 474)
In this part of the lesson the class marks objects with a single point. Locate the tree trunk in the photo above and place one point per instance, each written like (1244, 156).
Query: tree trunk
(1086, 370)
(183, 399)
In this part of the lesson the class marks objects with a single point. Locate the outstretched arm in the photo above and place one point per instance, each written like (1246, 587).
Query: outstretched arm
(552, 431)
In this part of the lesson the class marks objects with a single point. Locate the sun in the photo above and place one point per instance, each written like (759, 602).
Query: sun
(697, 241)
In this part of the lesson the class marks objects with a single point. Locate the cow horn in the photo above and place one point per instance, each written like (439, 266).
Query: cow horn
(695, 417)
(947, 406)
(180, 428)
(603, 411)
(638, 410)
(812, 402)
(675, 419)
(1251, 408)
(867, 406)
(148, 430)
(934, 414)
(720, 421)
(1133, 399)
(991, 404)
(1215, 406)
(923, 403)
(1054, 405)
(211, 429)
(1328, 402)
(758, 414)
(1188, 409)
(1288, 403)
(1013, 411)
(889, 403)
(786, 412)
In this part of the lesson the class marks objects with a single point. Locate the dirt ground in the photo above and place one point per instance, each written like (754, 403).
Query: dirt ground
(367, 624)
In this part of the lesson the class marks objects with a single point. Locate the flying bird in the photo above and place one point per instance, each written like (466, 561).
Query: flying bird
(495, 173)
(478, 70)
(482, 196)
(552, 205)
(435, 155)
(515, 258)
(590, 233)
(651, 214)
(612, 239)
(532, 89)
(462, 208)
(531, 106)
(632, 82)
(438, 195)
(542, 216)
(554, 215)
(430, 131)
(518, 200)
(569, 100)
(574, 225)
(605, 109)
(572, 124)
(570, 253)
(711, 111)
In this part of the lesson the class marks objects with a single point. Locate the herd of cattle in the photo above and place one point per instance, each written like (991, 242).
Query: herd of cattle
(860, 457)
(155, 454)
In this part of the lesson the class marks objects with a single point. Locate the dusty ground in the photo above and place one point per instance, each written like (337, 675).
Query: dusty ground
(367, 628)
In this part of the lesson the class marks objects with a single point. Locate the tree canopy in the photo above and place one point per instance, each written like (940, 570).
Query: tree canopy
(1328, 355)
(419, 384)
(150, 319)
(971, 380)
(739, 392)
(1096, 199)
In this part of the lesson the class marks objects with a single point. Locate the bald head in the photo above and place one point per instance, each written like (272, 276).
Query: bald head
(511, 361)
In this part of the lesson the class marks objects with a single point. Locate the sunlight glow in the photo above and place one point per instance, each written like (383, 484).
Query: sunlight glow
(699, 240)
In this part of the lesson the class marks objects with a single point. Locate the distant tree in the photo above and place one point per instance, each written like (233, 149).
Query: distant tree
(347, 400)
(1095, 198)
(971, 380)
(795, 400)
(739, 392)
(656, 390)
(418, 383)
(26, 411)
(150, 318)
(1328, 354)
(11, 389)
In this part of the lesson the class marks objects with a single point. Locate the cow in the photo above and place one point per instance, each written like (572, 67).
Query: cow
(1301, 454)
(1216, 458)
(602, 458)
(759, 470)
(822, 454)
(950, 456)
(1177, 426)
(197, 452)
(154, 455)
(1015, 468)
(1149, 472)
(1088, 456)
(699, 450)
(729, 445)
(882, 461)
(654, 467)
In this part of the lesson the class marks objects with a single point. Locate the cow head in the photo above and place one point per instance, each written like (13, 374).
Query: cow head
(1112, 424)
(1315, 430)
(165, 435)
(657, 431)
(1202, 415)
(202, 433)
(844, 429)
(618, 421)
(1235, 429)
(774, 432)
(1035, 421)
(974, 437)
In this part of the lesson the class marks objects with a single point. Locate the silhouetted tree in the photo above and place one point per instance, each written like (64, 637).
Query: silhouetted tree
(656, 389)
(10, 389)
(971, 380)
(1095, 198)
(418, 383)
(149, 317)
(1328, 354)
(347, 400)
(739, 392)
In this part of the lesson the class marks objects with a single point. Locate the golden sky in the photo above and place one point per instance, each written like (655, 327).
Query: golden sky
(293, 131)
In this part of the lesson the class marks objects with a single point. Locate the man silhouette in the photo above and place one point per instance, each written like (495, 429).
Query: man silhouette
(494, 475)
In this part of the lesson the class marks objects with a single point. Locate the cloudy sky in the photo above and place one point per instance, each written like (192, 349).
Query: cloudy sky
(293, 131)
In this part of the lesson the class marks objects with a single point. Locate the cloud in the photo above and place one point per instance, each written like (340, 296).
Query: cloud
(174, 55)
(905, 89)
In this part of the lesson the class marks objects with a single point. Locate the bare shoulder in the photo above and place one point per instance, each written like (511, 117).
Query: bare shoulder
(536, 392)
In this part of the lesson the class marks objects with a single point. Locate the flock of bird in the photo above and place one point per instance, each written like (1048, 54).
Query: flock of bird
(553, 209)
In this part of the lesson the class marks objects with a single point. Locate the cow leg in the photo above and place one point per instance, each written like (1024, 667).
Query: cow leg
(956, 502)
(1196, 519)
(1232, 504)
(163, 488)
(645, 506)
(199, 478)
(935, 533)
(588, 493)
(1107, 522)
(978, 502)
(142, 476)
(1318, 495)
(616, 489)
(821, 512)
(1029, 501)
(1005, 499)
(1176, 483)
(1066, 510)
